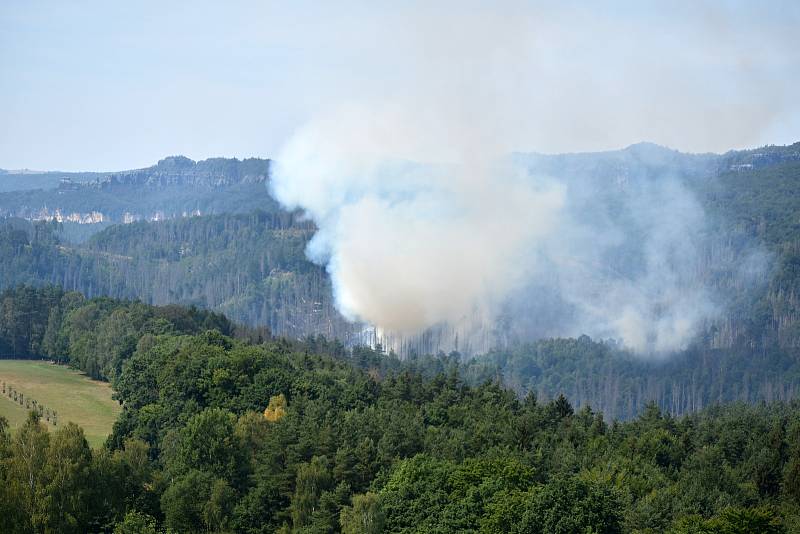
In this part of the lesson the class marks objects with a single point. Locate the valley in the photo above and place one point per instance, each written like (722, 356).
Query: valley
(253, 268)
(399, 268)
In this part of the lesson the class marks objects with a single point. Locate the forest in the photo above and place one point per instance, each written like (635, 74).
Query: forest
(220, 434)
(94, 335)
(297, 426)
(49, 322)
(247, 258)
(408, 268)
(251, 267)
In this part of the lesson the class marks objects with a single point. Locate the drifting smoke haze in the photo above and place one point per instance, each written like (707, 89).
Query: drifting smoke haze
(413, 244)
(426, 219)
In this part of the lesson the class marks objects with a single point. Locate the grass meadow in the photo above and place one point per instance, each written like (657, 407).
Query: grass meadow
(73, 395)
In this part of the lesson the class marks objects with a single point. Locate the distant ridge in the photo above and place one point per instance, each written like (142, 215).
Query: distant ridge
(174, 187)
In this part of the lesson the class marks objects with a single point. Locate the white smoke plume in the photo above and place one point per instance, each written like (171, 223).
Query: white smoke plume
(412, 243)
(427, 221)
(414, 238)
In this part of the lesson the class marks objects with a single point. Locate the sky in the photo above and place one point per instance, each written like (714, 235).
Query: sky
(90, 85)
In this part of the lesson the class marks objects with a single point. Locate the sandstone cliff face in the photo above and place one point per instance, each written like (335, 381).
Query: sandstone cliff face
(175, 187)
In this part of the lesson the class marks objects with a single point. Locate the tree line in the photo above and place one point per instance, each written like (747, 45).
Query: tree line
(94, 335)
(32, 405)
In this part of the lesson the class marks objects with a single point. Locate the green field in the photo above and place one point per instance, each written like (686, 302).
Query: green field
(74, 396)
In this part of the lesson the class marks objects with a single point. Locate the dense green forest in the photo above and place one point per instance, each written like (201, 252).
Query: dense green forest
(304, 270)
(48, 322)
(223, 435)
(94, 335)
(252, 267)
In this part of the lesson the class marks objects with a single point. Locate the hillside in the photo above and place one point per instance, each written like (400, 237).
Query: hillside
(232, 263)
(252, 267)
(255, 435)
(175, 187)
(273, 434)
(222, 435)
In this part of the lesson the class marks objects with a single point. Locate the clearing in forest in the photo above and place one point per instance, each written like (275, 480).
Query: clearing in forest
(73, 396)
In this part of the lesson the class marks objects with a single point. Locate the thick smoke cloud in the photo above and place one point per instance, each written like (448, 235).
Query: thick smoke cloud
(410, 244)
(427, 221)
(415, 239)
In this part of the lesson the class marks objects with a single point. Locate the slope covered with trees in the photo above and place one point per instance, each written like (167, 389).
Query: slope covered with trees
(221, 435)
(93, 335)
(252, 267)
(618, 383)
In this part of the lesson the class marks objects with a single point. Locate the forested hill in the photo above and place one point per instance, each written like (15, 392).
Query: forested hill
(174, 187)
(239, 435)
(95, 335)
(251, 266)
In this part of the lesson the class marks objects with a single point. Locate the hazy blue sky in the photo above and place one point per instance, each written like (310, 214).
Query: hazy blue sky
(112, 85)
